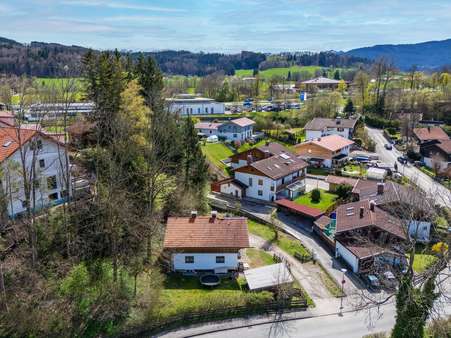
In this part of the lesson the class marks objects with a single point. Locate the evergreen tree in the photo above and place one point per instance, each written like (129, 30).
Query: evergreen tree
(289, 76)
(349, 107)
(337, 75)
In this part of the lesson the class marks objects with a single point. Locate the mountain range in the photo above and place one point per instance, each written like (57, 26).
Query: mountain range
(424, 55)
(50, 59)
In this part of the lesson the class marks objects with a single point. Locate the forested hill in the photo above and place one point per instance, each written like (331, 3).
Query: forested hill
(50, 60)
(425, 55)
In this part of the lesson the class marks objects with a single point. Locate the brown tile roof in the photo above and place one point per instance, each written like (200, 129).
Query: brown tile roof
(243, 122)
(11, 139)
(348, 218)
(332, 142)
(367, 189)
(322, 222)
(207, 125)
(365, 250)
(203, 233)
(432, 133)
(445, 146)
(278, 166)
(274, 148)
(299, 208)
(341, 180)
(319, 123)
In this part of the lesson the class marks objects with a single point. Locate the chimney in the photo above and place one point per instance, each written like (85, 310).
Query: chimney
(214, 214)
(193, 216)
(362, 210)
(338, 120)
(267, 154)
(319, 138)
(429, 129)
(372, 205)
(380, 188)
(249, 159)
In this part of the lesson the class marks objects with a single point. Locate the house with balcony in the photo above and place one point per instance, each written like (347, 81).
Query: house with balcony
(198, 244)
(275, 176)
(328, 151)
(233, 130)
(320, 127)
(45, 160)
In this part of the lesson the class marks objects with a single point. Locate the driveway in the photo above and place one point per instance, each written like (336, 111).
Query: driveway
(414, 174)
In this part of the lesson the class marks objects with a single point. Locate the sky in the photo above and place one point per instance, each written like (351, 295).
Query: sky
(226, 26)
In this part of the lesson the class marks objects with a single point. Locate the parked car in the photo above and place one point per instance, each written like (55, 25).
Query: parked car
(373, 281)
(388, 146)
(389, 280)
(402, 159)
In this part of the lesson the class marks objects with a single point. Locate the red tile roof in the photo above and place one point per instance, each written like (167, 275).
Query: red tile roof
(11, 139)
(332, 142)
(348, 218)
(341, 180)
(432, 133)
(243, 122)
(302, 209)
(445, 146)
(207, 125)
(203, 232)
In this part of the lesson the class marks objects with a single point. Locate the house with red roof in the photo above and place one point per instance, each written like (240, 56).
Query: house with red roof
(205, 243)
(44, 158)
(327, 151)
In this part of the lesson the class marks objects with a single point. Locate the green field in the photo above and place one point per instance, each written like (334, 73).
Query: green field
(326, 201)
(257, 258)
(215, 152)
(278, 71)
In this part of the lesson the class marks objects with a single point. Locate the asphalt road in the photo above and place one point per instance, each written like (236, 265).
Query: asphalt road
(414, 174)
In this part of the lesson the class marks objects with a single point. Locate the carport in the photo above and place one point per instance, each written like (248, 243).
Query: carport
(298, 209)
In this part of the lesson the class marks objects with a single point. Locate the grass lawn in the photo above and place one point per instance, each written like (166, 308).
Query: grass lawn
(326, 201)
(215, 152)
(422, 261)
(247, 146)
(257, 257)
(354, 169)
(183, 294)
(266, 74)
(286, 242)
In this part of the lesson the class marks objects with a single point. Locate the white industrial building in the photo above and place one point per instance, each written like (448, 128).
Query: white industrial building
(187, 104)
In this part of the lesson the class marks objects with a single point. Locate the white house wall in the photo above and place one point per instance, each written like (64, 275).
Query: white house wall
(347, 256)
(204, 261)
(197, 108)
(54, 160)
(252, 191)
(231, 189)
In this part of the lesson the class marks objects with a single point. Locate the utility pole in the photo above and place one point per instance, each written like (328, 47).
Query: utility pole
(342, 291)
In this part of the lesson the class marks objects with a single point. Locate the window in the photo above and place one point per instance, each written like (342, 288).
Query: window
(260, 193)
(235, 135)
(220, 259)
(272, 188)
(51, 182)
(36, 145)
(260, 182)
(189, 259)
(24, 204)
(250, 181)
(187, 110)
(64, 194)
(53, 197)
(206, 110)
(212, 110)
(41, 163)
(340, 129)
(198, 110)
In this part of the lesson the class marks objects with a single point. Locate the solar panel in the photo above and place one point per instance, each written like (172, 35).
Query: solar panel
(285, 156)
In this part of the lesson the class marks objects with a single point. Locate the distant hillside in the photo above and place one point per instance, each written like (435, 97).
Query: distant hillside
(425, 55)
(50, 60)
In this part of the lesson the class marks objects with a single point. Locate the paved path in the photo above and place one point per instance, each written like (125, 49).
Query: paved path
(414, 174)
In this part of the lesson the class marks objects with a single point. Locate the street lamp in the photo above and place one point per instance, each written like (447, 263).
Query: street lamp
(342, 290)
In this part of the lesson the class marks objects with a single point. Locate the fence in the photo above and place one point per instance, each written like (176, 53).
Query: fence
(218, 314)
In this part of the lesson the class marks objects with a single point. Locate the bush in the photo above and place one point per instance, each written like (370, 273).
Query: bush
(343, 191)
(379, 122)
(413, 155)
(316, 195)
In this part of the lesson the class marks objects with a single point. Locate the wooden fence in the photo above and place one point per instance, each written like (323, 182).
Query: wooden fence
(217, 314)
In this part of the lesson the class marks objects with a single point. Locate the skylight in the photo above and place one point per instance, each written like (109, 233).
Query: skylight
(7, 144)
(285, 156)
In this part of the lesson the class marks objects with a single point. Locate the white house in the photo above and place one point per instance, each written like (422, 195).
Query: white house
(187, 104)
(205, 243)
(49, 160)
(234, 130)
(319, 127)
(281, 175)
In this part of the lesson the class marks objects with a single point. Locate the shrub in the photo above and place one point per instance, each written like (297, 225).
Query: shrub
(316, 195)
(343, 191)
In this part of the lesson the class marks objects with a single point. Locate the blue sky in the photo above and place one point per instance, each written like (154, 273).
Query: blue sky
(226, 25)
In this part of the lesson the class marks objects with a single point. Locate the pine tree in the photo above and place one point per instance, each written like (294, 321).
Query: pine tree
(337, 75)
(349, 107)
